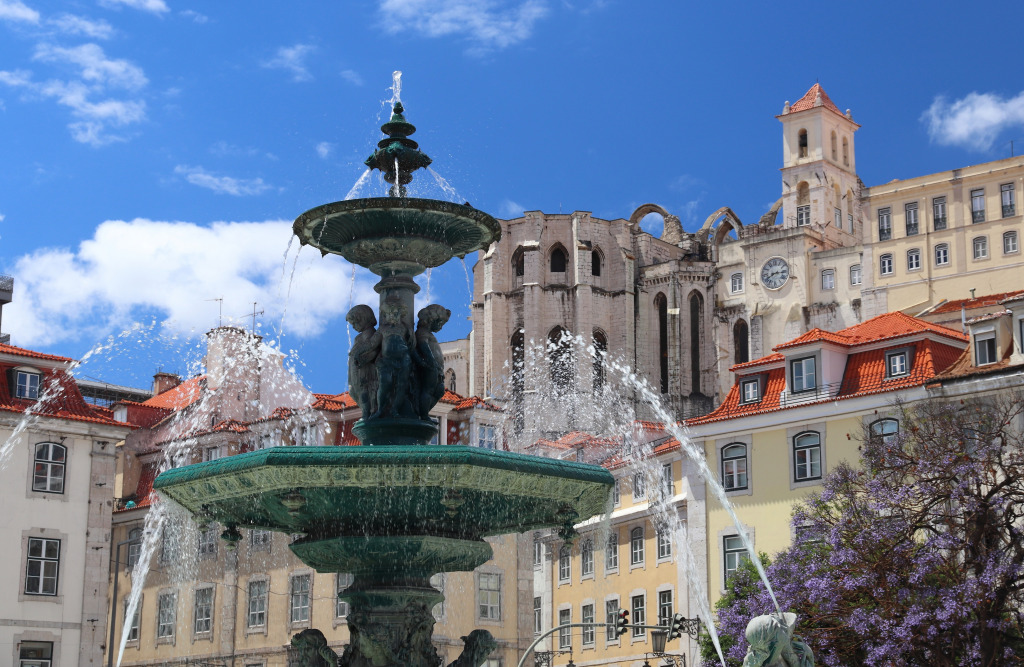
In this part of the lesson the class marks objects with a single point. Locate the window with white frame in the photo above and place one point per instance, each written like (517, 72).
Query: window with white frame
(1009, 243)
(985, 349)
(913, 259)
(828, 279)
(488, 596)
(734, 466)
(564, 633)
(439, 583)
(856, 277)
(487, 436)
(750, 391)
(166, 614)
(42, 566)
(636, 546)
(310, 435)
(838, 217)
(886, 430)
(208, 543)
(299, 598)
(258, 592)
(538, 615)
(202, 611)
(978, 205)
(942, 254)
(1008, 200)
(213, 453)
(616, 493)
(736, 283)
(170, 543)
(587, 557)
(803, 216)
(807, 456)
(664, 540)
(639, 617)
(668, 485)
(48, 472)
(611, 551)
(564, 563)
(26, 385)
(639, 492)
(611, 615)
(896, 364)
(665, 608)
(884, 224)
(803, 374)
(910, 213)
(259, 539)
(132, 623)
(939, 213)
(342, 581)
(35, 654)
(885, 264)
(980, 244)
(733, 553)
(538, 550)
(587, 616)
(134, 547)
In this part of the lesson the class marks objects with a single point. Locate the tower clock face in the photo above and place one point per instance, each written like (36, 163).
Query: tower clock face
(774, 273)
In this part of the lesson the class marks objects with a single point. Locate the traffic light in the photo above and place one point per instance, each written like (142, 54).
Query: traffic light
(675, 630)
(621, 622)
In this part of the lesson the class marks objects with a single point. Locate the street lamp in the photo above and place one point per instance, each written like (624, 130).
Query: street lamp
(658, 639)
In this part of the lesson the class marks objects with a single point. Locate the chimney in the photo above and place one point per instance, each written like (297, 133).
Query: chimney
(164, 381)
(232, 354)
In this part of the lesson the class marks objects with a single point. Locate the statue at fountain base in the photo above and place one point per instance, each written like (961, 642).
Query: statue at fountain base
(772, 643)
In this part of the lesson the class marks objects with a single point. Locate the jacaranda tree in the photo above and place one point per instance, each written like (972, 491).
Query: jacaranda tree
(914, 557)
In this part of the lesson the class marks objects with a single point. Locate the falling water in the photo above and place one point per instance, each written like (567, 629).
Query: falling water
(360, 182)
(445, 186)
(288, 291)
(351, 297)
(396, 86)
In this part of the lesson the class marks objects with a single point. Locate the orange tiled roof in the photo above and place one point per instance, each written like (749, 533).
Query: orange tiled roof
(343, 401)
(59, 398)
(881, 328)
(178, 397)
(813, 336)
(334, 402)
(143, 496)
(978, 302)
(807, 101)
(770, 359)
(31, 354)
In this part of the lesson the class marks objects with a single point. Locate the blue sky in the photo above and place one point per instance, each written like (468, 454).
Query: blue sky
(155, 152)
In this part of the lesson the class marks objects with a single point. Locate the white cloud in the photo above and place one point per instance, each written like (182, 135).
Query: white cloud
(487, 24)
(292, 59)
(69, 24)
(224, 149)
(153, 6)
(510, 209)
(974, 121)
(129, 269)
(352, 77)
(323, 149)
(194, 15)
(94, 65)
(222, 185)
(14, 10)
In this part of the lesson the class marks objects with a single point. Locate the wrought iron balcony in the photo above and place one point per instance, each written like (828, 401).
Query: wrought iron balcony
(884, 233)
(1009, 210)
(940, 223)
(978, 216)
(819, 393)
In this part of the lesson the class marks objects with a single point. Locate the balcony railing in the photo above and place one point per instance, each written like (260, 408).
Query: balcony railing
(1009, 210)
(884, 233)
(819, 393)
(940, 223)
(978, 216)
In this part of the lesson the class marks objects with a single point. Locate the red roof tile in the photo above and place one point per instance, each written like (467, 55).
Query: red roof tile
(770, 359)
(978, 302)
(807, 101)
(334, 402)
(178, 397)
(22, 352)
(143, 496)
(59, 398)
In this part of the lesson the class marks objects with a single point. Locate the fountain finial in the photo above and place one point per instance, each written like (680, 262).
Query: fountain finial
(398, 155)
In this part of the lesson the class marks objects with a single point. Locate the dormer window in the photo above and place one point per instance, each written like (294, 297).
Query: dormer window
(27, 385)
(896, 364)
(803, 374)
(985, 349)
(750, 391)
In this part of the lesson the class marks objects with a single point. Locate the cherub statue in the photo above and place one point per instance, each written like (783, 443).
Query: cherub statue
(478, 645)
(362, 372)
(772, 643)
(313, 649)
(394, 364)
(430, 361)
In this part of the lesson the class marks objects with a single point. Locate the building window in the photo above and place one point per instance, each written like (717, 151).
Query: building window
(846, 152)
(208, 543)
(668, 486)
(300, 598)
(166, 610)
(896, 364)
(1009, 203)
(803, 374)
(587, 616)
(341, 583)
(134, 547)
(978, 205)
(885, 264)
(616, 494)
(558, 261)
(985, 349)
(42, 566)
(807, 456)
(734, 553)
(884, 224)
(942, 254)
(35, 654)
(587, 558)
(734, 466)
(885, 429)
(661, 304)
(48, 475)
(855, 275)
(639, 492)
(488, 596)
(518, 263)
(664, 540)
(27, 385)
(438, 582)
(636, 546)
(133, 622)
(910, 211)
(203, 611)
(839, 217)
(538, 615)
(169, 543)
(664, 608)
(611, 551)
(980, 245)
(736, 283)
(259, 539)
(213, 453)
(939, 213)
(564, 633)
(828, 279)
(639, 617)
(258, 592)
(564, 564)
(1009, 243)
(611, 615)
(538, 550)
(741, 342)
(595, 263)
(835, 149)
(803, 216)
(913, 260)
(488, 436)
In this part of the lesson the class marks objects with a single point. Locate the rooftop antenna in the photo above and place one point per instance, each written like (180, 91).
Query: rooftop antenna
(220, 310)
(254, 314)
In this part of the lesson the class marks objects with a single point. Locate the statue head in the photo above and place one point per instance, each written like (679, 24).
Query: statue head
(361, 317)
(479, 644)
(313, 649)
(434, 316)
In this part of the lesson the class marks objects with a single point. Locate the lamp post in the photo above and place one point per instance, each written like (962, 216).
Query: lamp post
(113, 602)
